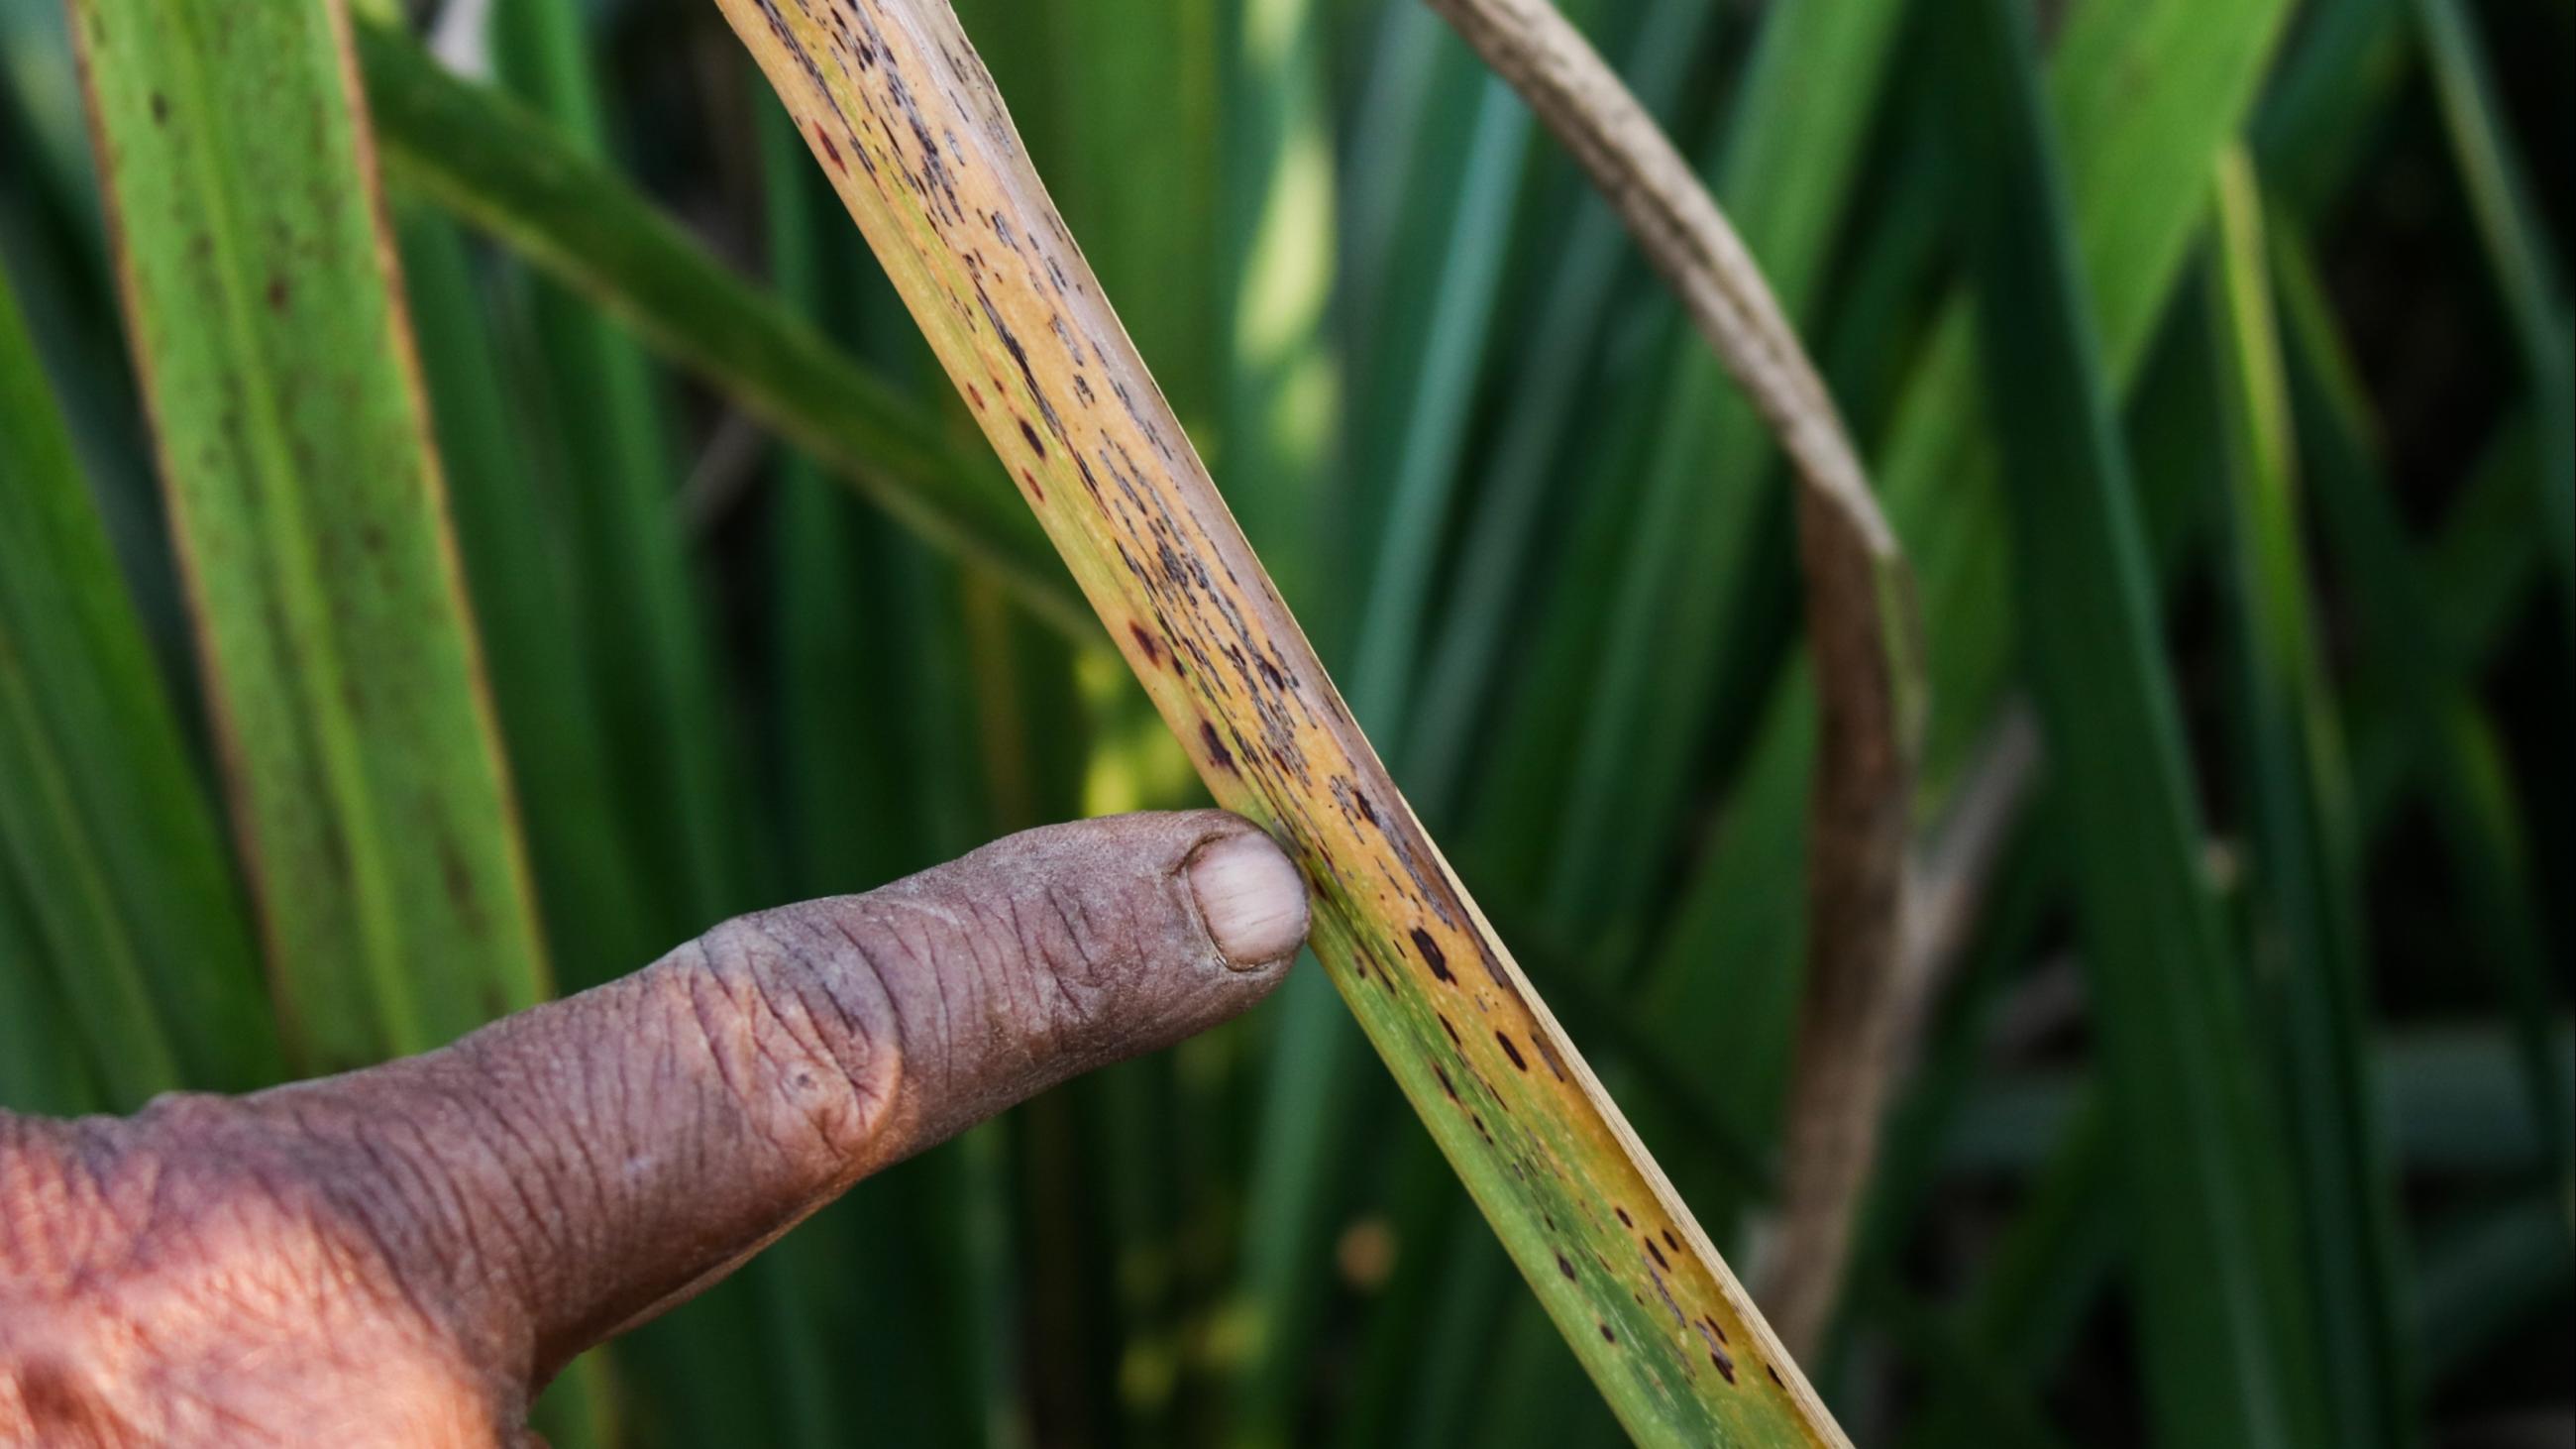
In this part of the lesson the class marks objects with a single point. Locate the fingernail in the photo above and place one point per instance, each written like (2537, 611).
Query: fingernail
(1251, 897)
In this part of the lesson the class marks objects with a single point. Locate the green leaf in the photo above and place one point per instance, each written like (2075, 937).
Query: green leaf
(1715, 520)
(2478, 570)
(2427, 672)
(486, 159)
(2330, 97)
(102, 816)
(587, 884)
(1484, 623)
(645, 638)
(2143, 97)
(358, 747)
(2523, 256)
(2222, 1319)
(2307, 941)
(1425, 443)
(41, 1069)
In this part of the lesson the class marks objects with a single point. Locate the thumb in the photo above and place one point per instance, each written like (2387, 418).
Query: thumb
(571, 1170)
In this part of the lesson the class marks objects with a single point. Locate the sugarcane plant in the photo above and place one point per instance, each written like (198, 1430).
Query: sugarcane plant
(1862, 526)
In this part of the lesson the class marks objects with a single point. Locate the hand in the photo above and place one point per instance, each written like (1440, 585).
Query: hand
(403, 1255)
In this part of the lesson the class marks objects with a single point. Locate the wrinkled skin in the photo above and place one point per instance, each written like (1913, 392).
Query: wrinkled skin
(403, 1255)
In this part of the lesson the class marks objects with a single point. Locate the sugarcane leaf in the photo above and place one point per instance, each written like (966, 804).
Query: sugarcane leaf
(41, 1069)
(900, 112)
(2143, 96)
(550, 721)
(2307, 936)
(358, 747)
(2524, 258)
(2222, 1308)
(488, 160)
(646, 644)
(102, 815)
(2434, 724)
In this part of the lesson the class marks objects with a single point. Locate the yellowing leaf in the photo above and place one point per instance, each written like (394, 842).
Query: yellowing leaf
(897, 108)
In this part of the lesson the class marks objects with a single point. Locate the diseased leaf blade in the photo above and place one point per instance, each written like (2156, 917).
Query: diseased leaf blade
(898, 110)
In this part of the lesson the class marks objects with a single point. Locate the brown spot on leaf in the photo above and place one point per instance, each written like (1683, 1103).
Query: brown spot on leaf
(834, 152)
(1218, 754)
(1036, 443)
(1432, 955)
(1511, 1051)
(1547, 1053)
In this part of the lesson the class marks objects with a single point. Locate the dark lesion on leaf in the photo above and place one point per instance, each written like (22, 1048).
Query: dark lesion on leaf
(1432, 955)
(1218, 754)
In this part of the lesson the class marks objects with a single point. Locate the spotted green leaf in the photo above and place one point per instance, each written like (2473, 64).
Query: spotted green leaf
(356, 740)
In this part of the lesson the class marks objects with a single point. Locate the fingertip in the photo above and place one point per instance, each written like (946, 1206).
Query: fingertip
(1250, 897)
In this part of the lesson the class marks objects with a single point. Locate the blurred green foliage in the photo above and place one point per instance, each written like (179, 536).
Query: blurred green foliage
(2214, 360)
